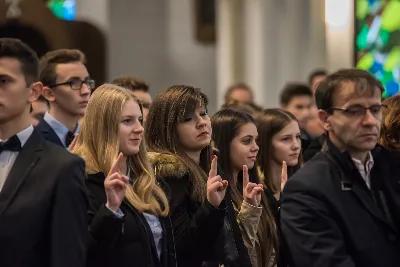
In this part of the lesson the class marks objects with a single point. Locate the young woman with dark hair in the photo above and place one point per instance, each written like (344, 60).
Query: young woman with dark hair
(235, 135)
(178, 132)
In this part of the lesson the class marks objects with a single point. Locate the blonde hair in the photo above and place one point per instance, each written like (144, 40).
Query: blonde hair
(98, 145)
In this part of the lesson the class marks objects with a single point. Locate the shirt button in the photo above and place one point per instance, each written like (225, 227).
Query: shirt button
(155, 224)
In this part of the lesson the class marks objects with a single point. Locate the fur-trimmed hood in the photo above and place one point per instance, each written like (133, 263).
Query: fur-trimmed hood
(167, 165)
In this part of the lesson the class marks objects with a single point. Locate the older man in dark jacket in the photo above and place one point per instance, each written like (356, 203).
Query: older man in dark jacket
(343, 207)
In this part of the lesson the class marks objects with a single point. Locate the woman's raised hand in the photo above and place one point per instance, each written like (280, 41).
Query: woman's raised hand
(216, 187)
(284, 176)
(115, 185)
(251, 191)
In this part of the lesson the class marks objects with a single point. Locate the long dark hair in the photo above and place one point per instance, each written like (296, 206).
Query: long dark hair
(169, 108)
(270, 122)
(226, 124)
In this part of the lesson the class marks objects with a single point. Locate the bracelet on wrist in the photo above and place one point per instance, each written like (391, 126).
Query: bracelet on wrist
(250, 205)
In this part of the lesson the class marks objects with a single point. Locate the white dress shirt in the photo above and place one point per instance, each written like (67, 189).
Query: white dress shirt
(156, 230)
(365, 169)
(7, 158)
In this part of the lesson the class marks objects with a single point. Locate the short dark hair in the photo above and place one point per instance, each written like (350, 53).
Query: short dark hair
(233, 87)
(16, 49)
(43, 99)
(292, 90)
(131, 83)
(316, 73)
(238, 106)
(49, 62)
(249, 108)
(365, 83)
(40, 99)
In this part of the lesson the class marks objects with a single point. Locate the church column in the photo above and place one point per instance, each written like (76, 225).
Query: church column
(254, 38)
(226, 47)
(339, 33)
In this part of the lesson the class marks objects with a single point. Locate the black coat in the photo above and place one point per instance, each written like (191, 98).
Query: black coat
(329, 216)
(127, 241)
(43, 208)
(314, 148)
(204, 235)
(306, 140)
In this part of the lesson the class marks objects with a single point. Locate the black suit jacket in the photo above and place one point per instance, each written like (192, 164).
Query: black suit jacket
(48, 133)
(314, 147)
(305, 140)
(330, 218)
(43, 208)
(120, 242)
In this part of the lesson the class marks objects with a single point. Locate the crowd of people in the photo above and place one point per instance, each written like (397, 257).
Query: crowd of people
(107, 176)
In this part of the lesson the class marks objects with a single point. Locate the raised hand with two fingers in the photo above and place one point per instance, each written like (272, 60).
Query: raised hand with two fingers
(284, 175)
(216, 187)
(115, 185)
(251, 191)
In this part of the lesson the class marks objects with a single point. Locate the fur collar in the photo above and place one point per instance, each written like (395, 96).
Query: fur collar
(167, 165)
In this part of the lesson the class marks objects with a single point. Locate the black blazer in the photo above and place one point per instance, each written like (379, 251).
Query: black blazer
(314, 147)
(48, 133)
(329, 217)
(43, 208)
(127, 241)
(306, 140)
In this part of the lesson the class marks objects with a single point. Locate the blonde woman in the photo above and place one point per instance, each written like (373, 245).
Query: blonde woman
(129, 223)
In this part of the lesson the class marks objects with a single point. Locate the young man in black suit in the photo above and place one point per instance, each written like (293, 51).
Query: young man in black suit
(298, 100)
(43, 201)
(343, 207)
(67, 87)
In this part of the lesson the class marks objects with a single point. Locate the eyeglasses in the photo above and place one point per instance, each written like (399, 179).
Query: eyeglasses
(358, 111)
(77, 84)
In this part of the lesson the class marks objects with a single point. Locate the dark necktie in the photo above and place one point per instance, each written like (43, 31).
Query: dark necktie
(70, 137)
(12, 144)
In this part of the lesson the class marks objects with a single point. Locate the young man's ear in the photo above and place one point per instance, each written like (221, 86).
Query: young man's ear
(325, 119)
(35, 91)
(48, 94)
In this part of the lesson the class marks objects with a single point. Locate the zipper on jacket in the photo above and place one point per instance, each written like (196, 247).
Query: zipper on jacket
(123, 228)
(173, 241)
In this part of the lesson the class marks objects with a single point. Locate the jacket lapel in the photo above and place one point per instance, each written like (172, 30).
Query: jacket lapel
(26, 159)
(352, 177)
(367, 200)
(48, 133)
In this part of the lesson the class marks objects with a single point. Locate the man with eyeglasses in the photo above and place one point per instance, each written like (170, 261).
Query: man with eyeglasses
(67, 87)
(343, 207)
